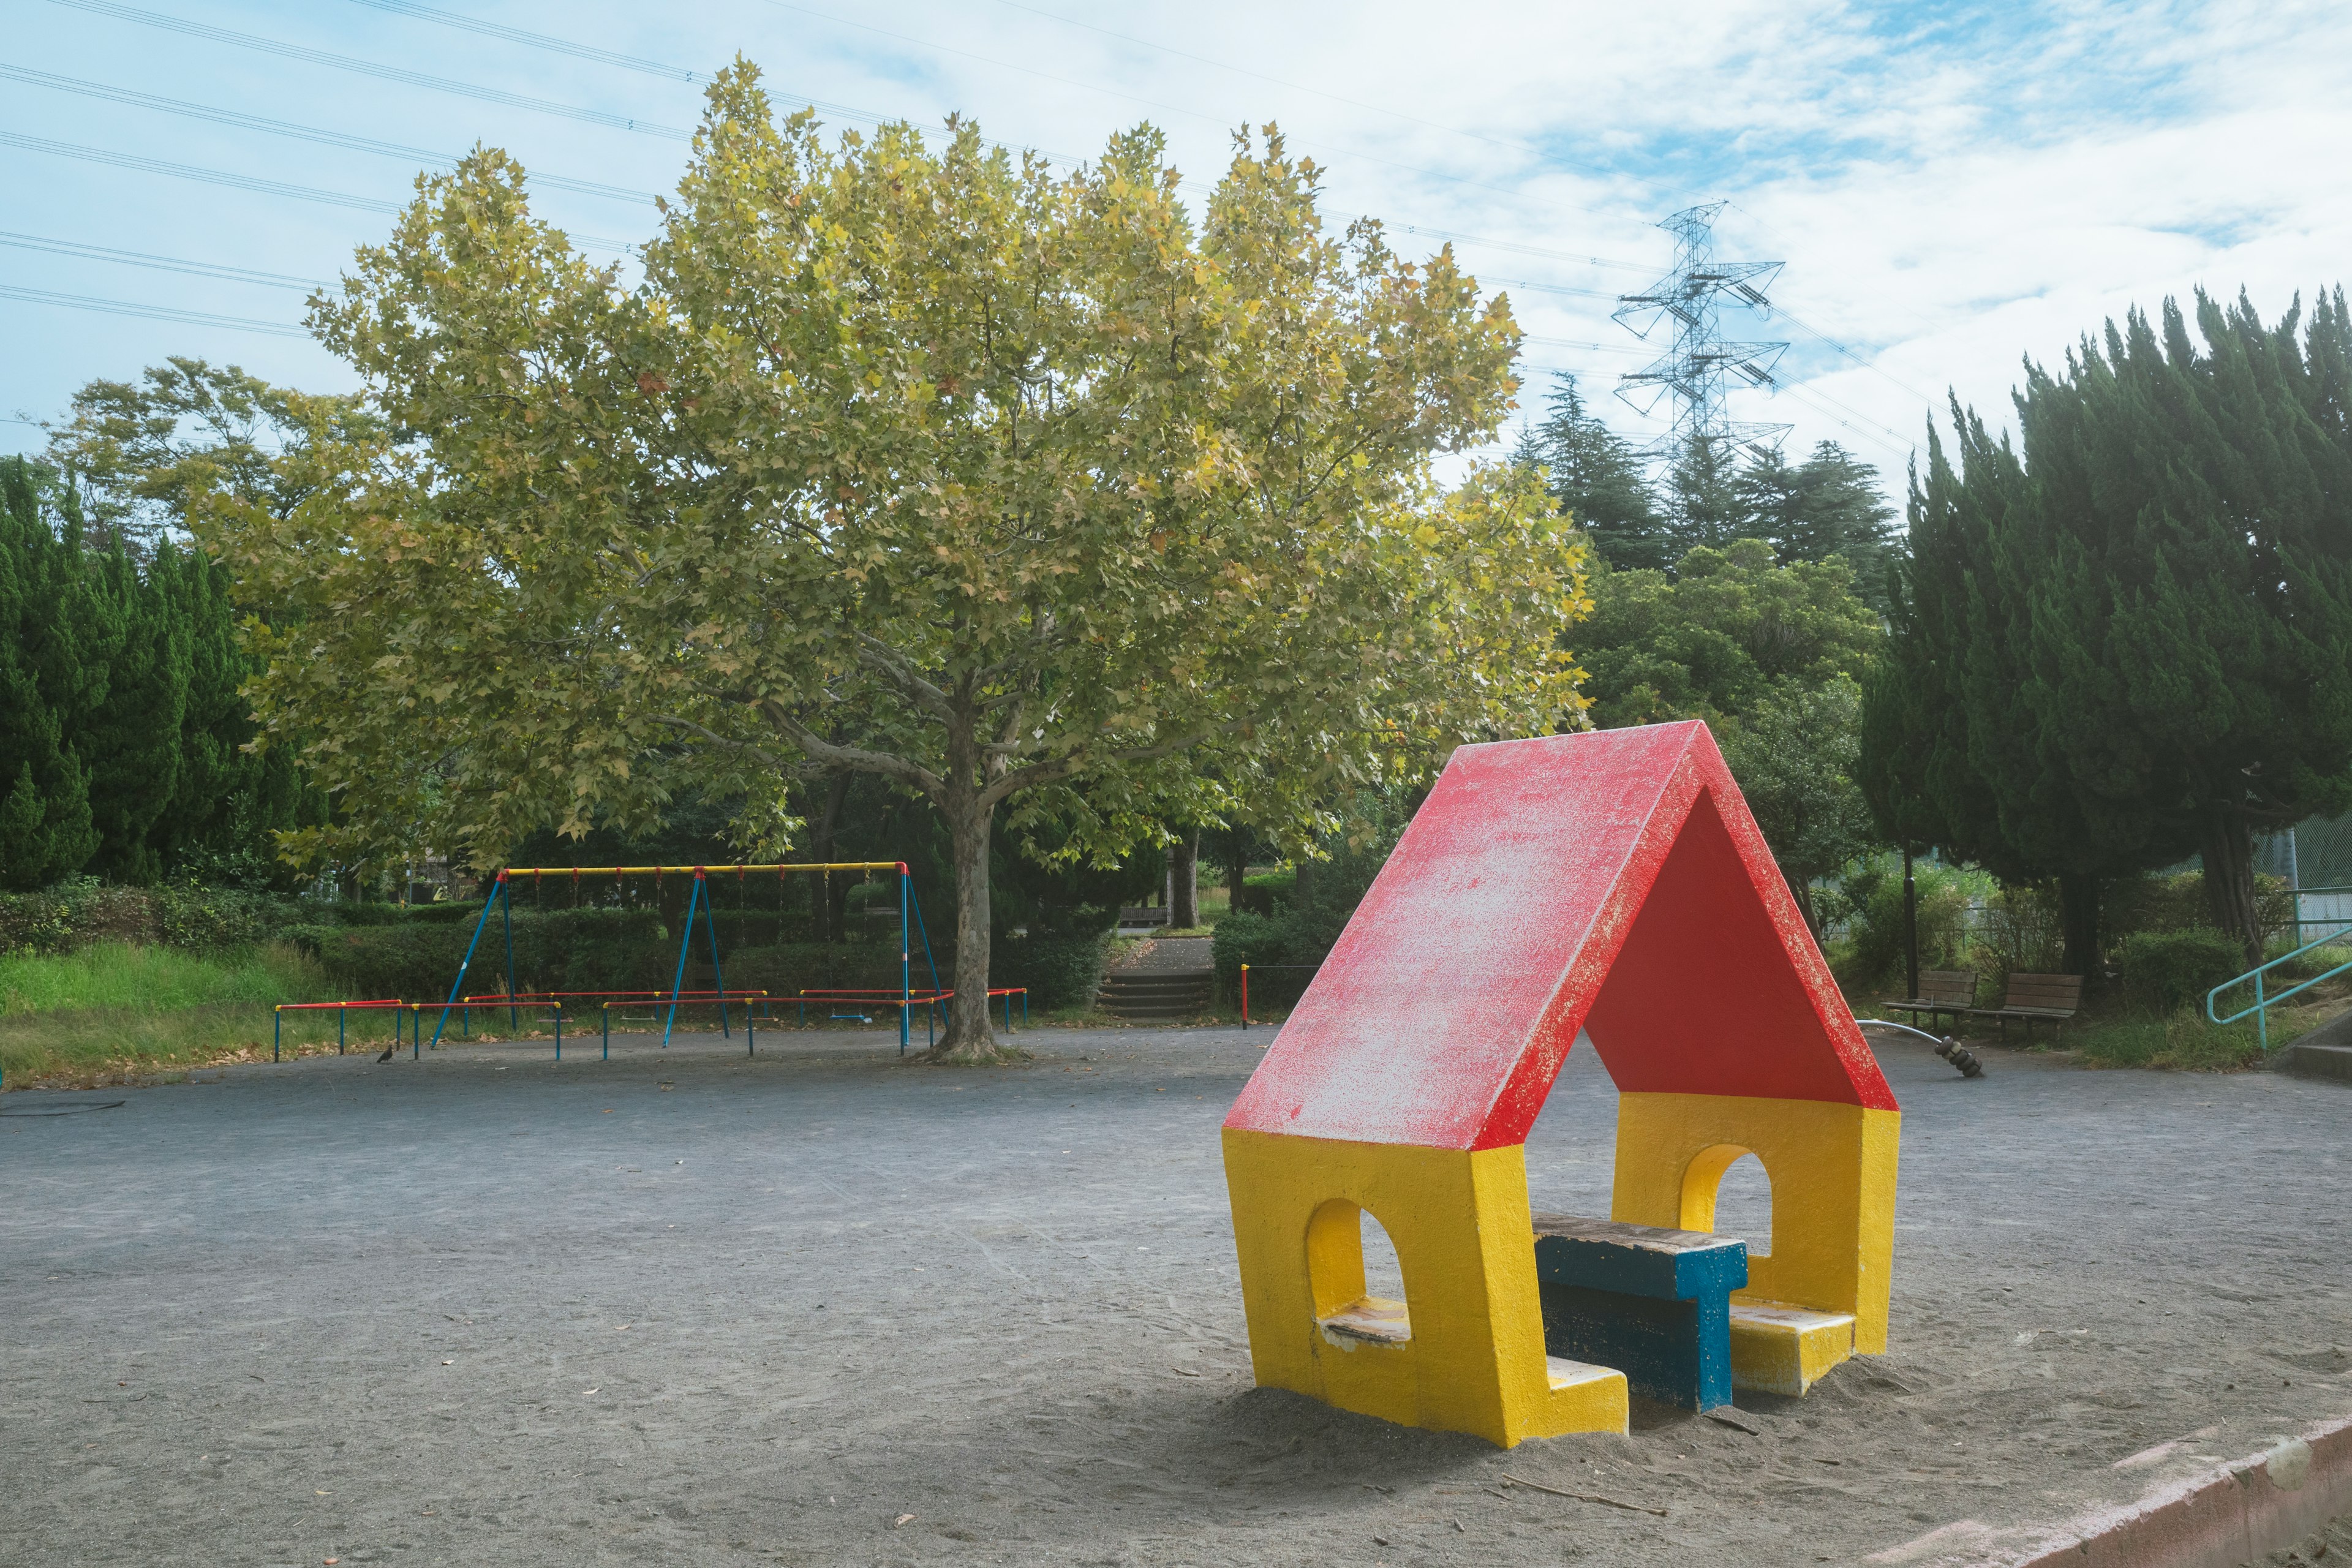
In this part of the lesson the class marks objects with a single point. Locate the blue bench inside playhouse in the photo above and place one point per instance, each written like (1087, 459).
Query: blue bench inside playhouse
(1655, 1304)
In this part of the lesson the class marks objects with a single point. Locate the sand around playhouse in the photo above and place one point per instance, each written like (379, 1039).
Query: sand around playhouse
(692, 1307)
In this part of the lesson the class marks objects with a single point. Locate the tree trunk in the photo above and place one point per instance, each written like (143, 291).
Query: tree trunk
(1302, 888)
(1236, 880)
(1803, 889)
(1910, 931)
(2228, 844)
(2078, 921)
(1184, 880)
(969, 1037)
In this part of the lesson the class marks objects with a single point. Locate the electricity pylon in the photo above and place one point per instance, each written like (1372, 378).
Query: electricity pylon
(1696, 369)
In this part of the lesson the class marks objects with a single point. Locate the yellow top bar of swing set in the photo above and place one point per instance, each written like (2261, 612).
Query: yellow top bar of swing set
(707, 870)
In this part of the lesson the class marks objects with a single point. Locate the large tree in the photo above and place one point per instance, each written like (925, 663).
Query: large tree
(1021, 490)
(1730, 630)
(2134, 638)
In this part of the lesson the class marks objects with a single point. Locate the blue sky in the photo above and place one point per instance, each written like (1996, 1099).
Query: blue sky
(1951, 187)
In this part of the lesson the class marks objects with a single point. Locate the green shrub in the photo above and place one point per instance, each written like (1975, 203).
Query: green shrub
(783, 969)
(1872, 952)
(2165, 970)
(1288, 946)
(1060, 970)
(559, 949)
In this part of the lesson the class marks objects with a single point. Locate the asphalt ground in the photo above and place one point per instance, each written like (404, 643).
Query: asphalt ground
(827, 1305)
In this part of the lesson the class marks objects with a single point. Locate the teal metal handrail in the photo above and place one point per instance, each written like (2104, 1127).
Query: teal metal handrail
(2263, 1002)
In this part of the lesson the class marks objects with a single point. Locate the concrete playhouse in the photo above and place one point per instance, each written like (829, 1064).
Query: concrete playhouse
(1611, 884)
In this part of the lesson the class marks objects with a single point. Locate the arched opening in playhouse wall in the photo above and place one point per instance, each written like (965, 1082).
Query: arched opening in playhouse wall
(1728, 1192)
(1355, 1278)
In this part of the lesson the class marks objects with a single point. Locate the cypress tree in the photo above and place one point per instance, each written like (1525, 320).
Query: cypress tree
(2136, 640)
(2192, 585)
(46, 681)
(131, 737)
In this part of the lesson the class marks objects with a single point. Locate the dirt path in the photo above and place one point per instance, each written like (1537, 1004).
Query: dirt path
(686, 1308)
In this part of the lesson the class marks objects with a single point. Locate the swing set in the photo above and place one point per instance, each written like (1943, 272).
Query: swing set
(700, 904)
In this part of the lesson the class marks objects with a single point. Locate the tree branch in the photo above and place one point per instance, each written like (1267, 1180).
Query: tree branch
(824, 751)
(881, 655)
(1063, 766)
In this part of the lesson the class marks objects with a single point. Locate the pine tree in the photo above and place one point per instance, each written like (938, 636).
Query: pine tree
(1598, 480)
(1703, 503)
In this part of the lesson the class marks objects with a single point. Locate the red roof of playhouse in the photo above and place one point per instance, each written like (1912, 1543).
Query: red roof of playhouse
(1613, 882)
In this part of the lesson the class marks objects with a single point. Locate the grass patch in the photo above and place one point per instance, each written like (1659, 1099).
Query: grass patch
(2181, 1042)
(127, 975)
(113, 1011)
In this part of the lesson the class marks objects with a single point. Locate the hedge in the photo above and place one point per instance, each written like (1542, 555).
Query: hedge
(2165, 970)
(1289, 946)
(1059, 971)
(81, 910)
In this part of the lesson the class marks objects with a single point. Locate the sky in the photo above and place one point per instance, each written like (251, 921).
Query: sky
(1951, 188)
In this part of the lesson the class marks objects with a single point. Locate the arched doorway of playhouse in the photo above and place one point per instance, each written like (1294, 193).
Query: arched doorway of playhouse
(1726, 1190)
(1355, 1279)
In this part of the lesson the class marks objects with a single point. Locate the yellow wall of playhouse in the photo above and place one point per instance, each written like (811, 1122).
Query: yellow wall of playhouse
(1464, 1238)
(1832, 1172)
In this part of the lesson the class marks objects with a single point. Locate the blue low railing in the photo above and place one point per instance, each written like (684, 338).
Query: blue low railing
(2263, 1002)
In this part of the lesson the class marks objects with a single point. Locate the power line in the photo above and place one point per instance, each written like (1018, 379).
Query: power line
(152, 312)
(248, 183)
(546, 41)
(1871, 366)
(538, 40)
(382, 72)
(564, 45)
(1521, 249)
(302, 132)
(159, 263)
(189, 171)
(1578, 343)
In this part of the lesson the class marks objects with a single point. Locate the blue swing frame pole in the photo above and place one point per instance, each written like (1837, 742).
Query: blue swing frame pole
(930, 1009)
(684, 946)
(497, 891)
(906, 956)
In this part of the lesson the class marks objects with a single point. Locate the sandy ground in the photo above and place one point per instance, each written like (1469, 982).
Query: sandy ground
(827, 1308)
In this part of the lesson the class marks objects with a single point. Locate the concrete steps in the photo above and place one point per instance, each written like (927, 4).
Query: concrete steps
(2325, 1052)
(1140, 995)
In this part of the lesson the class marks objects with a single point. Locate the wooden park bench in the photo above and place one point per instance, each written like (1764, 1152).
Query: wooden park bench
(2035, 999)
(1141, 915)
(1942, 990)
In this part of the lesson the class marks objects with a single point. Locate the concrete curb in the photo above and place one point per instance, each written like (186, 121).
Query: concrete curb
(2219, 1517)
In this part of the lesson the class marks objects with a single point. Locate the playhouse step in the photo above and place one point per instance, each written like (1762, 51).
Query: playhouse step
(1562, 1372)
(1367, 1321)
(1777, 1348)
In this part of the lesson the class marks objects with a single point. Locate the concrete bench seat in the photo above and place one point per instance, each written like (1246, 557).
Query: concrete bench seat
(1777, 1348)
(1653, 1302)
